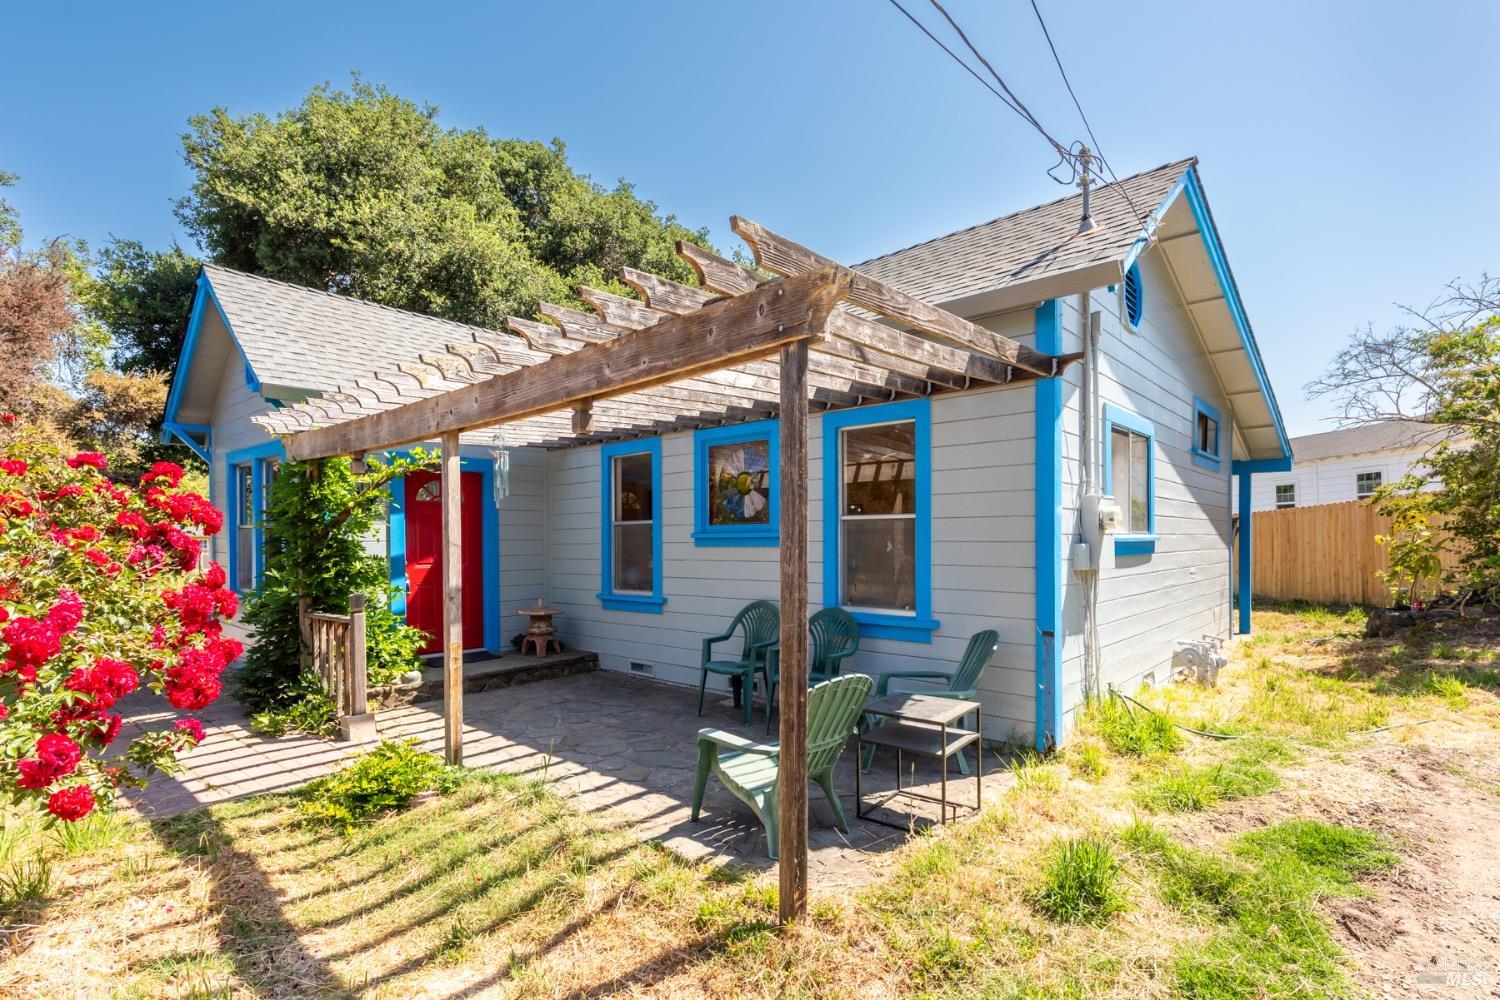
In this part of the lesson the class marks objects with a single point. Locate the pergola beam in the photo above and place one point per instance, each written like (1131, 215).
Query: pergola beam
(783, 256)
(723, 333)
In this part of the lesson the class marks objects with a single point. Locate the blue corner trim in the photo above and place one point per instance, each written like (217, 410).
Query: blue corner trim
(1242, 467)
(707, 534)
(1246, 587)
(650, 603)
(1207, 459)
(1114, 416)
(1049, 541)
(203, 298)
(489, 538)
(918, 626)
(255, 458)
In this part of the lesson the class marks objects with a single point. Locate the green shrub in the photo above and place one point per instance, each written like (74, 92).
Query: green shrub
(308, 710)
(381, 780)
(1131, 731)
(1079, 883)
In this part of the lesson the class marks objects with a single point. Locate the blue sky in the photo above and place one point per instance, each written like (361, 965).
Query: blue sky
(1346, 147)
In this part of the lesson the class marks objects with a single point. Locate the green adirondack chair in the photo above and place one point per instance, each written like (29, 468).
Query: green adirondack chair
(834, 637)
(963, 683)
(752, 771)
(759, 626)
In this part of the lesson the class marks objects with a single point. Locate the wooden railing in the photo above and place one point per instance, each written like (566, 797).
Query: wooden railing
(333, 648)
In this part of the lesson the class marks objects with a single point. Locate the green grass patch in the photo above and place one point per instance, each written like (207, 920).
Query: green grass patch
(1130, 731)
(1079, 882)
(378, 781)
(1246, 772)
(1270, 938)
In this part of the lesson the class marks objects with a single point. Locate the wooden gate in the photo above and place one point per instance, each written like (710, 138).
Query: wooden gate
(1325, 554)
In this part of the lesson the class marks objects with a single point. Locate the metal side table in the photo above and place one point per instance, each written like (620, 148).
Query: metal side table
(919, 724)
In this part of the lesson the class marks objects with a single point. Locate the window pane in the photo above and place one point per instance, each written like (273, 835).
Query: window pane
(880, 566)
(1367, 483)
(739, 483)
(1140, 488)
(632, 557)
(1208, 434)
(880, 469)
(633, 498)
(1119, 467)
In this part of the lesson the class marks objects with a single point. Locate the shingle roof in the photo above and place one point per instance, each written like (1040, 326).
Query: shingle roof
(1388, 435)
(1028, 244)
(309, 339)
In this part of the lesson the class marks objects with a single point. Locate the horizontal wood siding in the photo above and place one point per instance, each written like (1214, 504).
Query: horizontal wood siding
(232, 430)
(982, 558)
(1146, 604)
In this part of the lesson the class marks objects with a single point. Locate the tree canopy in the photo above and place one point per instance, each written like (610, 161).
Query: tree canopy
(363, 192)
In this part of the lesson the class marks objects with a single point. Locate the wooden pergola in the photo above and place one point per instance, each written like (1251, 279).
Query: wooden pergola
(679, 358)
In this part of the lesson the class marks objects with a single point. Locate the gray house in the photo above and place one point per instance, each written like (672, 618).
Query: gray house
(1085, 516)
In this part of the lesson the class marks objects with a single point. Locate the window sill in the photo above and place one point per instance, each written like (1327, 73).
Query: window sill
(648, 604)
(903, 628)
(1135, 545)
(1207, 460)
(770, 537)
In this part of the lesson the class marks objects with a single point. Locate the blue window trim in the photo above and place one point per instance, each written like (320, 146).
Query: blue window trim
(395, 538)
(254, 458)
(919, 626)
(1133, 277)
(706, 534)
(1049, 541)
(1208, 459)
(1132, 543)
(648, 603)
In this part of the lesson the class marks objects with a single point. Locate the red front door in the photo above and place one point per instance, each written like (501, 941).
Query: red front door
(424, 557)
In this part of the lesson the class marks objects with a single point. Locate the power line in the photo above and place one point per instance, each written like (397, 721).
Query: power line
(1098, 151)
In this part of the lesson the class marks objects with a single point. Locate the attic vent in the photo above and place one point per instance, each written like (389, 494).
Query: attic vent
(1134, 298)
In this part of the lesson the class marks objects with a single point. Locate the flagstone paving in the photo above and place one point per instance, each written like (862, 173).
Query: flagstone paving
(618, 745)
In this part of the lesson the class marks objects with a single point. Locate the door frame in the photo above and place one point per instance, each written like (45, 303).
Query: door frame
(489, 519)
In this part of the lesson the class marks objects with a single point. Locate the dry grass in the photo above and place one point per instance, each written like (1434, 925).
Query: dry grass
(502, 889)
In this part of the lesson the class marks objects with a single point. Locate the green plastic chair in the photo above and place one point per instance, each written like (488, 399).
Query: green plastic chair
(963, 683)
(834, 637)
(752, 771)
(759, 625)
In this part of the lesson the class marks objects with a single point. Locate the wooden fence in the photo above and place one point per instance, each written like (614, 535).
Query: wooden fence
(1326, 554)
(333, 647)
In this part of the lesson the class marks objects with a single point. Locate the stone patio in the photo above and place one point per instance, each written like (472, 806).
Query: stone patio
(616, 744)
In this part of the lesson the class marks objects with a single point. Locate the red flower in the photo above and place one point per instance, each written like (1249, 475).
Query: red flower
(170, 471)
(13, 467)
(192, 727)
(98, 557)
(67, 612)
(71, 804)
(8, 418)
(31, 642)
(91, 458)
(130, 519)
(70, 490)
(214, 577)
(106, 682)
(56, 757)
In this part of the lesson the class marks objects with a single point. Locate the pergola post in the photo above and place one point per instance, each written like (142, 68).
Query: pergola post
(453, 603)
(793, 655)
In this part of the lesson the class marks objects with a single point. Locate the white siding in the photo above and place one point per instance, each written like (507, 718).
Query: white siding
(1147, 603)
(1330, 480)
(981, 574)
(232, 430)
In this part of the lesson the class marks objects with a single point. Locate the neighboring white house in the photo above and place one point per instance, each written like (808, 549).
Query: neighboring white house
(1348, 464)
(954, 508)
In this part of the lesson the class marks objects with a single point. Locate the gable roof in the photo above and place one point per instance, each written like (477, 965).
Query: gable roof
(300, 338)
(1031, 244)
(1387, 435)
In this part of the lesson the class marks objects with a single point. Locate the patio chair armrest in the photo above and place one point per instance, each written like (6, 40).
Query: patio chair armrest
(729, 741)
(765, 645)
(710, 641)
(968, 694)
(886, 678)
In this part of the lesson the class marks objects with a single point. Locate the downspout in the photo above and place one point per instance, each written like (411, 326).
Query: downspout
(1091, 480)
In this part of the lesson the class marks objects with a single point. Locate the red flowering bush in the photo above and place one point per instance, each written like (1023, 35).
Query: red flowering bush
(100, 596)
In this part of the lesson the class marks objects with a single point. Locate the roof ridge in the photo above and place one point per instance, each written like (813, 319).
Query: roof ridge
(1186, 162)
(347, 298)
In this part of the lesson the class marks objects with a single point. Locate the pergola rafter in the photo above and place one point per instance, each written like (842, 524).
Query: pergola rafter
(680, 357)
